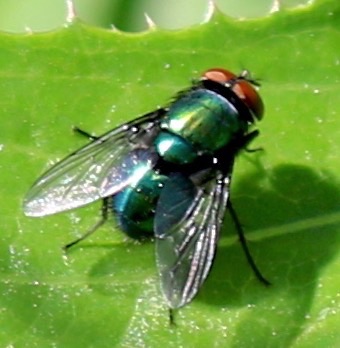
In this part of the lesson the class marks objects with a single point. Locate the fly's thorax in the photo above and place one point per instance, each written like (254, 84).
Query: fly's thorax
(135, 205)
(174, 149)
(200, 122)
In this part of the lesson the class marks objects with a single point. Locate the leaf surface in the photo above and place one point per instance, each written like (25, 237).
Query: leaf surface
(106, 293)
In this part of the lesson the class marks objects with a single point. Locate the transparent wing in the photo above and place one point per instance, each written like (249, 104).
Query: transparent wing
(95, 171)
(187, 226)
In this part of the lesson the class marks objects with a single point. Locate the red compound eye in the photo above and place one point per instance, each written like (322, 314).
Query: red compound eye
(219, 75)
(241, 86)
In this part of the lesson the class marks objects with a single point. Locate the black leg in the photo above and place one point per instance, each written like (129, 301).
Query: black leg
(256, 149)
(172, 317)
(84, 133)
(104, 212)
(248, 139)
(243, 241)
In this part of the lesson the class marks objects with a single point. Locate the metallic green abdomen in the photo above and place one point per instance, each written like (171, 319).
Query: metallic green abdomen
(135, 205)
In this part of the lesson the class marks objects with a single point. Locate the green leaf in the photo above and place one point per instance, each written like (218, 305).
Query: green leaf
(106, 293)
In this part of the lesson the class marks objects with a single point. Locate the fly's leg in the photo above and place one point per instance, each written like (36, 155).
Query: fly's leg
(84, 133)
(256, 149)
(243, 241)
(171, 317)
(247, 139)
(104, 213)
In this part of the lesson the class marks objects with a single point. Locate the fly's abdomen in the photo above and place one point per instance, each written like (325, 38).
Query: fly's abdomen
(199, 122)
(135, 205)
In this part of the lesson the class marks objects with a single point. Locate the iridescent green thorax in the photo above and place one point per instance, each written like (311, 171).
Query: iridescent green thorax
(199, 122)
